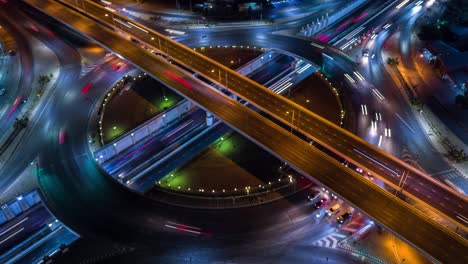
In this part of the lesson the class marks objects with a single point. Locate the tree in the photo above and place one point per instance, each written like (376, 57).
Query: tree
(393, 62)
(416, 102)
(457, 155)
(43, 80)
(21, 123)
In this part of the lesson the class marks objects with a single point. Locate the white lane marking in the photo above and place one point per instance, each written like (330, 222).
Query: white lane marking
(404, 122)
(461, 217)
(13, 226)
(12, 235)
(378, 94)
(183, 229)
(349, 78)
(183, 225)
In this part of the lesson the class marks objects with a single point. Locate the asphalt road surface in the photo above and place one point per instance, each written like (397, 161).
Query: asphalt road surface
(293, 149)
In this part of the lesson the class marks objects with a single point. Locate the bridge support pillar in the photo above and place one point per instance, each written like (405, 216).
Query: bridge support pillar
(209, 118)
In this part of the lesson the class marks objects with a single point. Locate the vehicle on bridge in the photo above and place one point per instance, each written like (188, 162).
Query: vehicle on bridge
(320, 203)
(333, 210)
(344, 217)
(313, 196)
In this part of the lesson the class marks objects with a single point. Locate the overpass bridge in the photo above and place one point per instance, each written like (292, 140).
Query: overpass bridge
(394, 172)
(274, 69)
(399, 217)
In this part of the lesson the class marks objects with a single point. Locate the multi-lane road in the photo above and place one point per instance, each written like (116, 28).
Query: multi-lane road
(131, 161)
(96, 207)
(355, 189)
(338, 140)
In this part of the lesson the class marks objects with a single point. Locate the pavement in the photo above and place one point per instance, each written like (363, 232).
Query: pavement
(24, 183)
(437, 132)
(95, 182)
(382, 247)
(10, 71)
(33, 58)
(50, 65)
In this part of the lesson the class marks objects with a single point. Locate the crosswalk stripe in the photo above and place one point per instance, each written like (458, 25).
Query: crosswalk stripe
(327, 242)
(333, 240)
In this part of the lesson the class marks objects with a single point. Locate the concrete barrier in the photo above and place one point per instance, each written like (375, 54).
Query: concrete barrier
(150, 127)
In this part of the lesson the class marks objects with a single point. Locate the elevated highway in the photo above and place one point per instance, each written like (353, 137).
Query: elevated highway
(393, 171)
(399, 217)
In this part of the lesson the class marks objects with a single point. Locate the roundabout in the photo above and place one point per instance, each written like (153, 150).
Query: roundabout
(80, 193)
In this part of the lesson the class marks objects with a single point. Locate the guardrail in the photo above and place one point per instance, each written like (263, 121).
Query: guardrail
(421, 226)
(229, 199)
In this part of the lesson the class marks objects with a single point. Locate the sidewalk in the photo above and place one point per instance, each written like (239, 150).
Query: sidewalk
(10, 71)
(46, 63)
(437, 132)
(383, 247)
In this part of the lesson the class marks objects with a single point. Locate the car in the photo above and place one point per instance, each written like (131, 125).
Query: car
(365, 53)
(86, 88)
(62, 137)
(333, 210)
(312, 196)
(344, 217)
(320, 203)
(2, 91)
(91, 139)
(155, 52)
(117, 66)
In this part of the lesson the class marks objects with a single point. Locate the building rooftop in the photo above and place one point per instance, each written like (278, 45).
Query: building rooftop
(452, 58)
(442, 48)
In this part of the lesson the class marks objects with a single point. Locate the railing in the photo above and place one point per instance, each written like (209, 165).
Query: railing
(245, 197)
(324, 168)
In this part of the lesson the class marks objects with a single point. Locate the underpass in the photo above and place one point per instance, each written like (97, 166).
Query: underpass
(380, 197)
(142, 162)
(341, 142)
